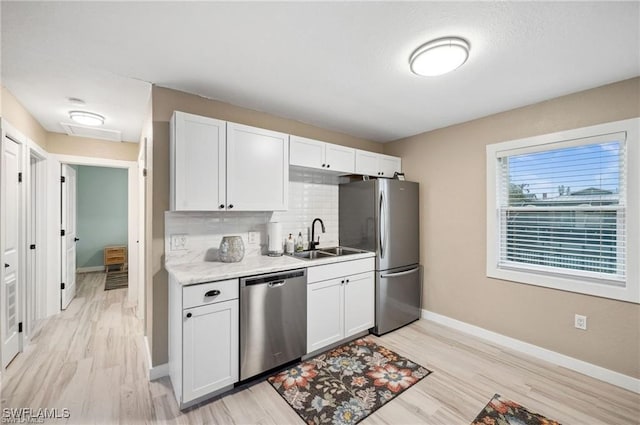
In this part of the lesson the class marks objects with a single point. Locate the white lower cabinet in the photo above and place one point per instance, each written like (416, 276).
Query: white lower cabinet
(210, 349)
(339, 307)
(203, 339)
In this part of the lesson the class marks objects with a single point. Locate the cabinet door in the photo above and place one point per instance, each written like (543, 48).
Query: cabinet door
(305, 152)
(257, 169)
(198, 163)
(359, 303)
(325, 313)
(210, 348)
(389, 165)
(340, 158)
(367, 163)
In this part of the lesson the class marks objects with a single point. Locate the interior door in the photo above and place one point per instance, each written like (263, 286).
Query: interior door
(69, 238)
(11, 275)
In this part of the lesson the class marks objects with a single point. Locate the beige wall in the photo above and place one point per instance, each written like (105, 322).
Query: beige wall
(450, 166)
(13, 111)
(81, 146)
(165, 101)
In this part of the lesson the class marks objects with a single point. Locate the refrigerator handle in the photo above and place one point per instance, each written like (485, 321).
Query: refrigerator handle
(400, 273)
(382, 226)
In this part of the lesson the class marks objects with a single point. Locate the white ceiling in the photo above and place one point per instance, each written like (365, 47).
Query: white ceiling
(337, 65)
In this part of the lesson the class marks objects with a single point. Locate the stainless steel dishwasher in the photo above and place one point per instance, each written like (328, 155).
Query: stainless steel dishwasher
(273, 320)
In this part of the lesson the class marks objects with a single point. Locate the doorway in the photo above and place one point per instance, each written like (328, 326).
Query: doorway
(102, 222)
(55, 252)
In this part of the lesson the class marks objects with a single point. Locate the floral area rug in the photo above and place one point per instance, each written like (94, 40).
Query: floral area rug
(346, 384)
(500, 411)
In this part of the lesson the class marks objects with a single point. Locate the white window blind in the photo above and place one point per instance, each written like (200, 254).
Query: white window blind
(562, 208)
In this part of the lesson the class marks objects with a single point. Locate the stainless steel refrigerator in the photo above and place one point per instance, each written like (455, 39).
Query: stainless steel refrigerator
(382, 216)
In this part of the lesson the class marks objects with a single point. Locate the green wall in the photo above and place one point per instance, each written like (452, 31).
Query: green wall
(101, 212)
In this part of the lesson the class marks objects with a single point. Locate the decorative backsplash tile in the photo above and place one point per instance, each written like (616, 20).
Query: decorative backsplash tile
(311, 195)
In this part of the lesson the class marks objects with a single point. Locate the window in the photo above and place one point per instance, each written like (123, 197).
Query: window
(562, 210)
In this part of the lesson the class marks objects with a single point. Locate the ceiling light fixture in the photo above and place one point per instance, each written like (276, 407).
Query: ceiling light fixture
(439, 56)
(86, 118)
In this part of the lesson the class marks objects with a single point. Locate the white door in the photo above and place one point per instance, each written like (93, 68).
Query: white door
(325, 313)
(340, 158)
(11, 254)
(367, 163)
(359, 303)
(69, 238)
(389, 165)
(305, 152)
(198, 163)
(210, 347)
(257, 169)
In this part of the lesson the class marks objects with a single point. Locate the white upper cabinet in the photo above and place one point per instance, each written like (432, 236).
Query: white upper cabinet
(376, 164)
(222, 166)
(198, 163)
(257, 169)
(321, 155)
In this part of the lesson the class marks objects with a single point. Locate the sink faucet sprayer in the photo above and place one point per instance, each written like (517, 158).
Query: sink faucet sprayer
(312, 243)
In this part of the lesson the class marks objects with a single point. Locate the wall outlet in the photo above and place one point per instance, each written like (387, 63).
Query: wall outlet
(178, 242)
(580, 322)
(253, 238)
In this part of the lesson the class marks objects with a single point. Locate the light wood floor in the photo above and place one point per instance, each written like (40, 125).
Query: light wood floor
(90, 359)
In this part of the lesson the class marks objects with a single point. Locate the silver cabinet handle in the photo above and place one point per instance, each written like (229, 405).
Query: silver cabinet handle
(276, 284)
(404, 273)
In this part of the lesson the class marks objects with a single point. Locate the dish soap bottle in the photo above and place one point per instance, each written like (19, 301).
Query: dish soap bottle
(299, 244)
(289, 244)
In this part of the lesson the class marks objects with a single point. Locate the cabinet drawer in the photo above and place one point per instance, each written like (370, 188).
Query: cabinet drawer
(117, 259)
(195, 295)
(336, 270)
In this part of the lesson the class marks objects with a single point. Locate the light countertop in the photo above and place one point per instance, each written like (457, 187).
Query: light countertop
(209, 271)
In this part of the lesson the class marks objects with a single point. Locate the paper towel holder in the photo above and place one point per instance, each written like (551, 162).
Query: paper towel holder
(275, 242)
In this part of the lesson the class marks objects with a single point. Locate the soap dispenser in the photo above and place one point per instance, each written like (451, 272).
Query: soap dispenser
(290, 245)
(299, 243)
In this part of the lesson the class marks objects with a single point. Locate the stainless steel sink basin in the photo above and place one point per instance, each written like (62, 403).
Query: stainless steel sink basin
(311, 255)
(335, 251)
(339, 250)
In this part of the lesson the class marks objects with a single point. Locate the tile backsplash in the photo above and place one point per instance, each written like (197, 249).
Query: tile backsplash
(311, 195)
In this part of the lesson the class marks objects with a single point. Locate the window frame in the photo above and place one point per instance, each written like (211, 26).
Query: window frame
(626, 290)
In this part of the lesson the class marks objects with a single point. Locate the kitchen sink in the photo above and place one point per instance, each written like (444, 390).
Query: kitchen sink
(339, 250)
(335, 251)
(311, 255)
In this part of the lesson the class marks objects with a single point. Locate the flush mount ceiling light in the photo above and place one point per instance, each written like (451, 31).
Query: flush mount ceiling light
(439, 56)
(86, 118)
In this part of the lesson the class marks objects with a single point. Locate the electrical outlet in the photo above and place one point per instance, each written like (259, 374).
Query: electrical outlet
(178, 242)
(253, 238)
(580, 322)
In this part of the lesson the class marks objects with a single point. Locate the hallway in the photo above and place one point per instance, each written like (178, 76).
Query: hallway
(88, 359)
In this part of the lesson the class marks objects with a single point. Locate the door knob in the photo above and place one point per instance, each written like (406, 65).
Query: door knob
(189, 315)
(230, 206)
(76, 239)
(221, 206)
(6, 265)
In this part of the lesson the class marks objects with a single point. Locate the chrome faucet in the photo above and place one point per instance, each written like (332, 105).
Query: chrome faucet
(312, 243)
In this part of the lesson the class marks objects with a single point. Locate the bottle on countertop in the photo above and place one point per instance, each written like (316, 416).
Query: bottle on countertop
(299, 243)
(289, 246)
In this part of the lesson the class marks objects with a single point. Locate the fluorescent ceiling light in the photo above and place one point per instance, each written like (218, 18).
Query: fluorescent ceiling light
(439, 56)
(86, 118)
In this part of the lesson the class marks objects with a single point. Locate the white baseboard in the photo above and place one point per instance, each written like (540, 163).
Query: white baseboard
(594, 371)
(156, 372)
(90, 269)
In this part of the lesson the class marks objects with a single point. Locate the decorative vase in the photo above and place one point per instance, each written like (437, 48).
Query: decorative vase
(231, 249)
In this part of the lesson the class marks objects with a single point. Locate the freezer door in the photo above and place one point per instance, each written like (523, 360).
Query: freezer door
(357, 226)
(398, 298)
(397, 219)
